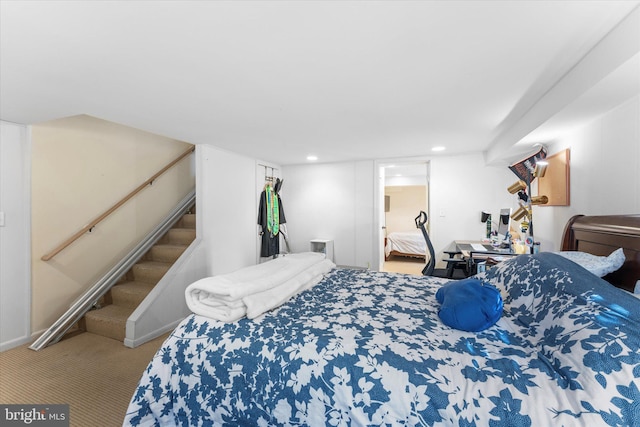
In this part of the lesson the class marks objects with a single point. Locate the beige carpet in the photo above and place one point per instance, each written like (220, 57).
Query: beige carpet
(95, 375)
(407, 265)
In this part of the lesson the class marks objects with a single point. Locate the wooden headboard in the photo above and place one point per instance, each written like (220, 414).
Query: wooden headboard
(601, 235)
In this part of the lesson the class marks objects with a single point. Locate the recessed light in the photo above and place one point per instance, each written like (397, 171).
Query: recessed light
(312, 158)
(439, 148)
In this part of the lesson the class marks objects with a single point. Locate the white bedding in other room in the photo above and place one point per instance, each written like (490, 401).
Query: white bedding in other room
(407, 242)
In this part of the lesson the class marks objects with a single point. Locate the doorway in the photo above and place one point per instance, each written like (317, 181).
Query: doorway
(403, 193)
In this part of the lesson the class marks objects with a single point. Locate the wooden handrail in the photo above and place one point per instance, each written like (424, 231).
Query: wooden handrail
(109, 211)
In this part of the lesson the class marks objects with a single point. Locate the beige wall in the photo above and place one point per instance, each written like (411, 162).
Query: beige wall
(406, 202)
(81, 166)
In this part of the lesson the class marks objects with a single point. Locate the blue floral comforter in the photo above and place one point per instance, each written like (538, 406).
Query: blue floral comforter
(367, 348)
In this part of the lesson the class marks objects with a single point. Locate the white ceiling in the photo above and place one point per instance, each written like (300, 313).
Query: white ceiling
(278, 80)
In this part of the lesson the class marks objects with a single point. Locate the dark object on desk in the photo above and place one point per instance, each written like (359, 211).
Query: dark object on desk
(490, 249)
(490, 258)
(456, 267)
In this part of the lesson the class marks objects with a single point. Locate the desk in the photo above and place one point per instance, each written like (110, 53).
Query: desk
(472, 251)
(478, 248)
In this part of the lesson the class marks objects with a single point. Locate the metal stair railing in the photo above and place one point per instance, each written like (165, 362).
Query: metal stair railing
(102, 286)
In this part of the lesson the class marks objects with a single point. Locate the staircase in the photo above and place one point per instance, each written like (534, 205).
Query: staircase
(109, 316)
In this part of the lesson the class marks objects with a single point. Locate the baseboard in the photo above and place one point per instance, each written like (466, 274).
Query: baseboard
(16, 342)
(151, 335)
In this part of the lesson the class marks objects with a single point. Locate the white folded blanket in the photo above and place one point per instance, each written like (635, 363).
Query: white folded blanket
(254, 290)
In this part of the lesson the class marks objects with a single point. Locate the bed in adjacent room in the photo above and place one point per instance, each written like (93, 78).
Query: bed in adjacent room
(369, 348)
(406, 244)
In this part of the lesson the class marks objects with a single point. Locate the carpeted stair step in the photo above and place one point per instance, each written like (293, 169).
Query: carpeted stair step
(130, 294)
(180, 236)
(150, 271)
(109, 321)
(166, 252)
(123, 298)
(187, 221)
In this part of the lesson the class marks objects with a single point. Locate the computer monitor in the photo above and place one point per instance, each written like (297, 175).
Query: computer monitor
(504, 221)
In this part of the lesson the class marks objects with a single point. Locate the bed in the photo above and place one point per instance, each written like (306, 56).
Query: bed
(600, 235)
(405, 243)
(368, 348)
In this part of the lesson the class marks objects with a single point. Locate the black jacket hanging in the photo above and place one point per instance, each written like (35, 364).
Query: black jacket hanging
(270, 239)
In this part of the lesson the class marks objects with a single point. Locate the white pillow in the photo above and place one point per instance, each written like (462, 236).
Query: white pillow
(598, 265)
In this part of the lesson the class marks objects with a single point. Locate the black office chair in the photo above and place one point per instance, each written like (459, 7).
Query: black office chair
(456, 267)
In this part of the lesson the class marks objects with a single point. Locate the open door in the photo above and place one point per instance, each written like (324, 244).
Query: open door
(402, 192)
(381, 217)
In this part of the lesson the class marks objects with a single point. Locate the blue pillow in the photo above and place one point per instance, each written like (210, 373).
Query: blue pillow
(469, 305)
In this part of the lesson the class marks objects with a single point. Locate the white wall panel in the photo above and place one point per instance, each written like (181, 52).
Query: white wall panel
(227, 209)
(604, 172)
(461, 187)
(15, 281)
(331, 201)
